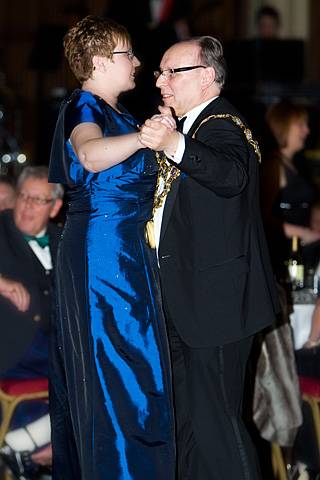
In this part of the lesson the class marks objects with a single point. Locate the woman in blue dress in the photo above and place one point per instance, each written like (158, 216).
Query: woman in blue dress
(111, 403)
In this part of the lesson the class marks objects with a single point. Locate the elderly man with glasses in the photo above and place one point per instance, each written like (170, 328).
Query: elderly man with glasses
(216, 279)
(28, 245)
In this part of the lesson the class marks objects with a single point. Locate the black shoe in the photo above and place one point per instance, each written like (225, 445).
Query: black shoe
(20, 463)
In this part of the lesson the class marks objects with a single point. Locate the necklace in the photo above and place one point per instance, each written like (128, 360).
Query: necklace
(167, 173)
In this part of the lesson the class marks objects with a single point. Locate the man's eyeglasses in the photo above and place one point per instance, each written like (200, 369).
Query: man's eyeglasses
(130, 53)
(170, 73)
(39, 202)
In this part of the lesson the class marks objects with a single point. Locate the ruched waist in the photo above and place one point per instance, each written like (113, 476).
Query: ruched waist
(113, 208)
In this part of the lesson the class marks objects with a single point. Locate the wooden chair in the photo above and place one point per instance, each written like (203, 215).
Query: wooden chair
(310, 390)
(13, 393)
(278, 462)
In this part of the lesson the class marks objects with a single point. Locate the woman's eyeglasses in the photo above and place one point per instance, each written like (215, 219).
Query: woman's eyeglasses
(130, 53)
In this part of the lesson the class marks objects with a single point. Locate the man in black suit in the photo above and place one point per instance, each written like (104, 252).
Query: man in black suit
(28, 245)
(216, 278)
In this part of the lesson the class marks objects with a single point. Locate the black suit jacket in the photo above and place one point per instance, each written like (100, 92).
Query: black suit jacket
(215, 271)
(18, 262)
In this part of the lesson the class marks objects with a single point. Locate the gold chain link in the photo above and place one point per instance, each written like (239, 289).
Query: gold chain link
(168, 173)
(239, 123)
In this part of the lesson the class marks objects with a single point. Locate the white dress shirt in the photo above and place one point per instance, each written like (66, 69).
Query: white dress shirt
(190, 119)
(43, 254)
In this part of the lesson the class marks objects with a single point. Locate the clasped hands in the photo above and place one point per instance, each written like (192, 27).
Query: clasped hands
(159, 132)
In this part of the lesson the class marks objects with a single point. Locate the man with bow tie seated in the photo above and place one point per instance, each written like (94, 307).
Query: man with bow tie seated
(28, 245)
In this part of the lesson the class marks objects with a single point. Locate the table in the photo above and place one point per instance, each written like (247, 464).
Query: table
(301, 317)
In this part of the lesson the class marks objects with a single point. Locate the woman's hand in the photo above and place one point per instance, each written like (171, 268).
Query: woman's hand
(305, 234)
(311, 343)
(155, 134)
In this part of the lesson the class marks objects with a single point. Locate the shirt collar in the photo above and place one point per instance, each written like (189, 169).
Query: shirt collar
(194, 113)
(41, 233)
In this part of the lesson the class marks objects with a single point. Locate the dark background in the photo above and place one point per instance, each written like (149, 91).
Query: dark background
(34, 76)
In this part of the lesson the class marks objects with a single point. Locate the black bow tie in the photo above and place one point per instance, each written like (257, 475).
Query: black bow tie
(179, 123)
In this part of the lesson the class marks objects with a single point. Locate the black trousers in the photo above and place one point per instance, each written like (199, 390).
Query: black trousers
(212, 441)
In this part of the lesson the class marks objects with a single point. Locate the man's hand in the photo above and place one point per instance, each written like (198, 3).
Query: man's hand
(44, 456)
(159, 132)
(168, 121)
(15, 292)
(165, 117)
(155, 134)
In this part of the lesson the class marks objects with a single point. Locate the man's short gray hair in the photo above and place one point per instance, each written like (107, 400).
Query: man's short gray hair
(211, 55)
(40, 172)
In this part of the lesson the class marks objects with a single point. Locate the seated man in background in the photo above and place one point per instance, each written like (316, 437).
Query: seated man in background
(28, 244)
(7, 194)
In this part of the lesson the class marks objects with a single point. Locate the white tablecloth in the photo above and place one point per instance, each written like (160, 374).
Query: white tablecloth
(301, 323)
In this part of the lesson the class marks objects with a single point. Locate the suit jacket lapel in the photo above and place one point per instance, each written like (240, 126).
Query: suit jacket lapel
(21, 247)
(211, 108)
(169, 206)
(54, 240)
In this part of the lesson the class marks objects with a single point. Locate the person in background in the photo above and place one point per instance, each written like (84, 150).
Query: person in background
(314, 335)
(306, 451)
(216, 277)
(268, 22)
(288, 200)
(111, 403)
(28, 245)
(315, 216)
(286, 196)
(7, 194)
(311, 251)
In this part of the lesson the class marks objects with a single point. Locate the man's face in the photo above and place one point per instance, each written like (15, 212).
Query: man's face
(182, 91)
(35, 206)
(7, 196)
(268, 27)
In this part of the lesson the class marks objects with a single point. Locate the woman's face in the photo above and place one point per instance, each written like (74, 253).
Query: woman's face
(123, 68)
(297, 134)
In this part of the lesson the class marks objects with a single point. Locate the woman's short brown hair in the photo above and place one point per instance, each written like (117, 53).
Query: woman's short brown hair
(279, 118)
(92, 36)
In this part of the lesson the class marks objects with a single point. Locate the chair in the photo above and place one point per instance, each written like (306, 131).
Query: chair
(310, 390)
(13, 392)
(278, 462)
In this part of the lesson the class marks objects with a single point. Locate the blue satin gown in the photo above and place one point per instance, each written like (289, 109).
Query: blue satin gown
(111, 404)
